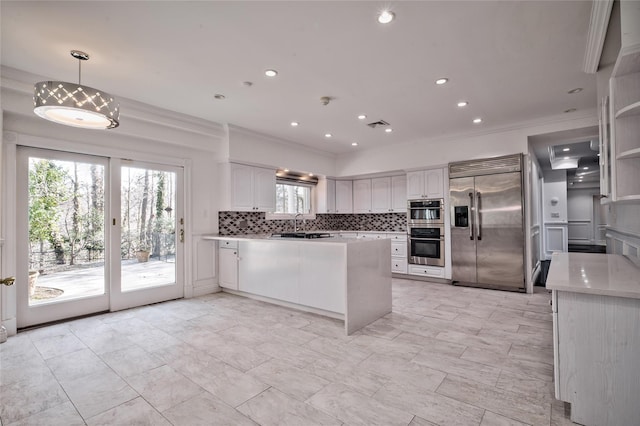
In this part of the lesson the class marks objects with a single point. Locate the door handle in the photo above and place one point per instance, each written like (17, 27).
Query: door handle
(471, 203)
(478, 216)
(8, 281)
(182, 235)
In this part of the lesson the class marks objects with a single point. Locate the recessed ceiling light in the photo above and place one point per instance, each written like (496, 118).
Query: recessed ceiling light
(441, 81)
(310, 174)
(463, 104)
(386, 16)
(576, 90)
(565, 158)
(477, 120)
(354, 143)
(219, 96)
(328, 135)
(362, 117)
(585, 168)
(286, 170)
(388, 130)
(271, 73)
(570, 110)
(294, 124)
(566, 149)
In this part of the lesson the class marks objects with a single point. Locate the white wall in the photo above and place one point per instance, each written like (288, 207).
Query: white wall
(580, 215)
(555, 196)
(554, 211)
(435, 152)
(254, 148)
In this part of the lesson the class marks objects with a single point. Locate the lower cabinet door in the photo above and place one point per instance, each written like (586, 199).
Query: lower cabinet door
(426, 271)
(228, 261)
(399, 265)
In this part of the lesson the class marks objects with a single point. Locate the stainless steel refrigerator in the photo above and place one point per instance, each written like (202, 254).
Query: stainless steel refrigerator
(487, 225)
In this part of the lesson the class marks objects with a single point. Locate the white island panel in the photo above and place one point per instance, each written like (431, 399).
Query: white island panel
(368, 283)
(269, 268)
(322, 276)
(342, 278)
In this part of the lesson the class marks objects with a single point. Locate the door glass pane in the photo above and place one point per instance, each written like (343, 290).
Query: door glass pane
(66, 230)
(148, 241)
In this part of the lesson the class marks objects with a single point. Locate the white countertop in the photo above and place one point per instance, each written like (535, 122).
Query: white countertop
(594, 273)
(267, 237)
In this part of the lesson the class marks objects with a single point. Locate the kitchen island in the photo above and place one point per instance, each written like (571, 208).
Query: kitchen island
(343, 278)
(596, 318)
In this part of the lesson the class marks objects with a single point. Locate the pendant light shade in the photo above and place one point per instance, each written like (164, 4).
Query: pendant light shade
(73, 104)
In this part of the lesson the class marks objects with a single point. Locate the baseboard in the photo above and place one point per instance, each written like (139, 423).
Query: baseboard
(206, 289)
(11, 325)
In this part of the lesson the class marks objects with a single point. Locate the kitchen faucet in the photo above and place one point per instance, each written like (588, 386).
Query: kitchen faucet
(295, 222)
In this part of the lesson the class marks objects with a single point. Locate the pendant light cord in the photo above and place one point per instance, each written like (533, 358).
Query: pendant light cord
(79, 72)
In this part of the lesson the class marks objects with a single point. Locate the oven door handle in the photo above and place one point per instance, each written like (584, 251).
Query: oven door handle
(471, 225)
(426, 239)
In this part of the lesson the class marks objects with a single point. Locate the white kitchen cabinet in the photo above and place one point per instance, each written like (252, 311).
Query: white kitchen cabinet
(228, 264)
(381, 195)
(362, 196)
(426, 271)
(625, 125)
(252, 188)
(326, 196)
(399, 255)
(344, 196)
(425, 184)
(384, 195)
(372, 235)
(399, 193)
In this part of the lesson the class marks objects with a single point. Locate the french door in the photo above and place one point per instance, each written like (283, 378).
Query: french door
(148, 217)
(83, 225)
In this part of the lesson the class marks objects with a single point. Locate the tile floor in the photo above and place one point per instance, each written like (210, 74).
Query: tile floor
(445, 356)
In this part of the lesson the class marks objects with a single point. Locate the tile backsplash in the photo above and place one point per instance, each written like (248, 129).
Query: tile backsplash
(235, 223)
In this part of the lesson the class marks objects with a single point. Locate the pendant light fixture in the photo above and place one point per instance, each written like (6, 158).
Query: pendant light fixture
(75, 105)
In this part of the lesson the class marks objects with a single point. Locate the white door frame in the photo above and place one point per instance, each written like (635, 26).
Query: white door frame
(120, 300)
(28, 315)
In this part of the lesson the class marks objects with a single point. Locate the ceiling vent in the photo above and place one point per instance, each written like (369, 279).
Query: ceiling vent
(378, 123)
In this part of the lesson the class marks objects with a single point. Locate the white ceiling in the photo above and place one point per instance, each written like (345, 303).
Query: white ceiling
(513, 61)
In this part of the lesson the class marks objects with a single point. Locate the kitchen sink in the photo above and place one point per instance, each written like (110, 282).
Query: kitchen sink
(306, 235)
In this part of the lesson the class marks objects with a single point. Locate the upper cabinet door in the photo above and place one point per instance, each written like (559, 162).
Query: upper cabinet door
(425, 184)
(241, 187)
(264, 188)
(252, 188)
(399, 193)
(362, 196)
(415, 184)
(381, 195)
(344, 196)
(434, 183)
(325, 196)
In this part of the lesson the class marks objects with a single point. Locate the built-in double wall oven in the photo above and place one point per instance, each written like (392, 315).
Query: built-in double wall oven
(425, 232)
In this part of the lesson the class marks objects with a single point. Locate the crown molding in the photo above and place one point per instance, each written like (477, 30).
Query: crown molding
(600, 14)
(21, 82)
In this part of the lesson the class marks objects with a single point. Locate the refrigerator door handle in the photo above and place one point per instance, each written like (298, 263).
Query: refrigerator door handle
(471, 215)
(478, 216)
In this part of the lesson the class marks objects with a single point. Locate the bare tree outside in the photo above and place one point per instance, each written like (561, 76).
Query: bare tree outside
(67, 218)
